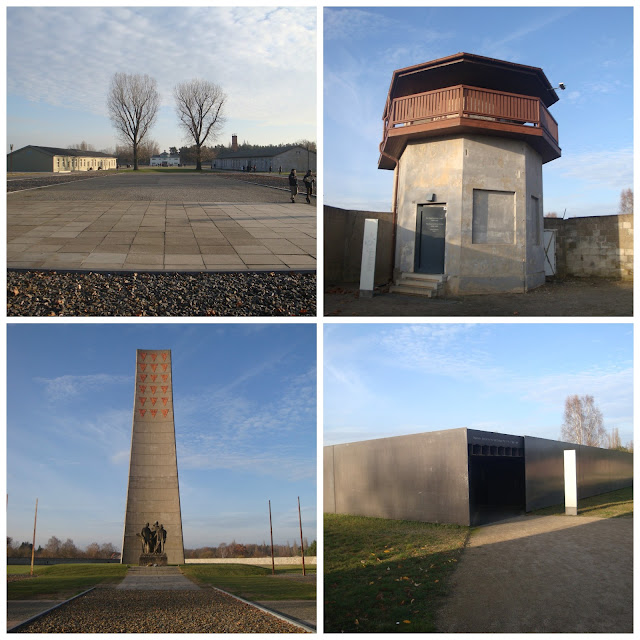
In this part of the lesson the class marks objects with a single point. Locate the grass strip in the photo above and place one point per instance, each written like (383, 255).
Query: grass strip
(253, 582)
(615, 504)
(386, 575)
(60, 581)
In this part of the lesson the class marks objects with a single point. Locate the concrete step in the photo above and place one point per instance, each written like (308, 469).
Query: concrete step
(418, 284)
(408, 290)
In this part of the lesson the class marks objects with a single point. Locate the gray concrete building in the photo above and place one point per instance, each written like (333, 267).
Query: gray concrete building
(153, 493)
(292, 157)
(462, 476)
(52, 159)
(466, 137)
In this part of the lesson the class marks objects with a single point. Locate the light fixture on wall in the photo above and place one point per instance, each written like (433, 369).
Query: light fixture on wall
(431, 197)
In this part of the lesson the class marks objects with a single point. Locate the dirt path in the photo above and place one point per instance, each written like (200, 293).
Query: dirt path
(553, 574)
(586, 297)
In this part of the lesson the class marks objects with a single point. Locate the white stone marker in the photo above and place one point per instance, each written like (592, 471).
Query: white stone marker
(570, 483)
(368, 266)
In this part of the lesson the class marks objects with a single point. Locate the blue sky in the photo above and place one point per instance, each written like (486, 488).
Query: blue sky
(56, 94)
(245, 415)
(589, 49)
(392, 379)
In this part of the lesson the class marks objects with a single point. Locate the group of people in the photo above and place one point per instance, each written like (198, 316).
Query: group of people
(153, 538)
(308, 180)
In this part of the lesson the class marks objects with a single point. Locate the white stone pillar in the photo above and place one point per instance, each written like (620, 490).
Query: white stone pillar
(570, 483)
(368, 265)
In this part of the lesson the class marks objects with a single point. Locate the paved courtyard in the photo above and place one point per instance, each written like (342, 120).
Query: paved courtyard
(155, 222)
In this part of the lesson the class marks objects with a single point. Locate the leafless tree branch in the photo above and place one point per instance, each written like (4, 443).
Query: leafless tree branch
(133, 103)
(200, 108)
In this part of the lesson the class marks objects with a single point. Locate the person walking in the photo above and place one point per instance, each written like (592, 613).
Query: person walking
(308, 182)
(293, 184)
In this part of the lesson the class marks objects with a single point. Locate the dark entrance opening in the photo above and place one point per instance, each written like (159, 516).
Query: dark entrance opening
(430, 237)
(496, 483)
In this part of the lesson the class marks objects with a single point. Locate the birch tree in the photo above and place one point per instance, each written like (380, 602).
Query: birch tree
(200, 108)
(583, 422)
(133, 106)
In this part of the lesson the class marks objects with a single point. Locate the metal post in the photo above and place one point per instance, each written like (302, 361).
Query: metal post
(304, 573)
(33, 546)
(273, 564)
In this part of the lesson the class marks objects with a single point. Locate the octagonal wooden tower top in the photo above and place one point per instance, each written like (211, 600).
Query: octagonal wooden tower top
(466, 93)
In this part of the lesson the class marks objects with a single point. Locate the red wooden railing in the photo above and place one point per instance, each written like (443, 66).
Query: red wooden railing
(469, 102)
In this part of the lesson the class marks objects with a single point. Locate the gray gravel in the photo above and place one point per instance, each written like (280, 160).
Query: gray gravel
(205, 187)
(20, 183)
(204, 611)
(51, 293)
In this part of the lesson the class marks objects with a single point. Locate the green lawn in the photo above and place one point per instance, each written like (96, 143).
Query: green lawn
(60, 581)
(254, 582)
(386, 575)
(615, 504)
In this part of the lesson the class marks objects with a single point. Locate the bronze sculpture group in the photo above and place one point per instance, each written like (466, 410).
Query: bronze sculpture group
(153, 538)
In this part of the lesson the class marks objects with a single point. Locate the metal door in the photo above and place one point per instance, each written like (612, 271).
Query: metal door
(430, 235)
(549, 252)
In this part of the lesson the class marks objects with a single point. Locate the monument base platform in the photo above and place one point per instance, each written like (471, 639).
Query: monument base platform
(147, 559)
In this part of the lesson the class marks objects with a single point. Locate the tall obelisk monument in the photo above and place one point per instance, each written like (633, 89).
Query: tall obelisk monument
(153, 493)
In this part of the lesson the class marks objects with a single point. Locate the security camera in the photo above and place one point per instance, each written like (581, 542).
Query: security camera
(561, 85)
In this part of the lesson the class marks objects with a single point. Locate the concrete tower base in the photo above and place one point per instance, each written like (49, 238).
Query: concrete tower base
(487, 191)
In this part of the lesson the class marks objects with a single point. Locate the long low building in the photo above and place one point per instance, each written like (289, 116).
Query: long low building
(33, 158)
(462, 476)
(298, 158)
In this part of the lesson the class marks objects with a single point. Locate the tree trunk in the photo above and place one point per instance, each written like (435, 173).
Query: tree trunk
(198, 159)
(135, 157)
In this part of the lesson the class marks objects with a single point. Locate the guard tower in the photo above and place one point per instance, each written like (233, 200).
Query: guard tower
(466, 137)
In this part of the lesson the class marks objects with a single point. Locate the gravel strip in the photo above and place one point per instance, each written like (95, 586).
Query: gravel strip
(45, 181)
(204, 611)
(51, 293)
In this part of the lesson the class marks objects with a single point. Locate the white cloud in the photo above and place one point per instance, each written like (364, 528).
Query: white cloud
(351, 24)
(263, 58)
(612, 168)
(63, 387)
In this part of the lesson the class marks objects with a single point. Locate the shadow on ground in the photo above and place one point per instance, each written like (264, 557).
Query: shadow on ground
(570, 297)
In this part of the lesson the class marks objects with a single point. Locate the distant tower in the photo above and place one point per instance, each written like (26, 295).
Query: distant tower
(467, 137)
(153, 493)
(234, 142)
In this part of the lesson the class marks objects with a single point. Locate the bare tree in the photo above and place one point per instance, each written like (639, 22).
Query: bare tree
(200, 108)
(82, 146)
(626, 201)
(551, 214)
(133, 105)
(583, 421)
(613, 439)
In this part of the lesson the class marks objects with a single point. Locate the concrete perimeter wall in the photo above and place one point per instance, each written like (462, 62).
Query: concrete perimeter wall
(254, 561)
(599, 471)
(421, 477)
(343, 234)
(596, 246)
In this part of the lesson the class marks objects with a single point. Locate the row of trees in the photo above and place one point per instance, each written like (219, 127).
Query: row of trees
(238, 550)
(133, 103)
(584, 424)
(55, 548)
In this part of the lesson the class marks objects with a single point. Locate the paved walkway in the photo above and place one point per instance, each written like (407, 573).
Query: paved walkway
(301, 610)
(159, 235)
(553, 574)
(20, 610)
(156, 578)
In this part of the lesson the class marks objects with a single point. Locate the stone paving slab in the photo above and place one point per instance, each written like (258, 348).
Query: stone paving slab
(545, 574)
(156, 579)
(159, 236)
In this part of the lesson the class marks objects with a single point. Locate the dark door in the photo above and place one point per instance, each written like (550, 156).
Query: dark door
(430, 230)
